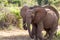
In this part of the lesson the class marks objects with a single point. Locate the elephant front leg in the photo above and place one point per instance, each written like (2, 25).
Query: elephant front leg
(39, 31)
(47, 34)
(50, 35)
(35, 36)
(24, 25)
(34, 32)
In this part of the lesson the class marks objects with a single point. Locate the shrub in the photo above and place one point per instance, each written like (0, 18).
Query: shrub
(10, 16)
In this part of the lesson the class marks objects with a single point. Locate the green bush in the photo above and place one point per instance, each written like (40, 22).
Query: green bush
(59, 21)
(10, 16)
(15, 11)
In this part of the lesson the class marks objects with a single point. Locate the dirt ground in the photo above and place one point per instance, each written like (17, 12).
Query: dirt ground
(15, 34)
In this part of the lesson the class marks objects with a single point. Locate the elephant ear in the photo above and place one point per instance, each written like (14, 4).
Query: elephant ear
(24, 10)
(33, 13)
(40, 13)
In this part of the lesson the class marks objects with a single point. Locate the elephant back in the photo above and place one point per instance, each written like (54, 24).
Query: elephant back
(53, 9)
(40, 13)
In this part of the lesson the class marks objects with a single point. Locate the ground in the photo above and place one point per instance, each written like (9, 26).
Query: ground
(15, 34)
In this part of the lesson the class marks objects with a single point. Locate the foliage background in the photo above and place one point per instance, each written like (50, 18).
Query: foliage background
(10, 10)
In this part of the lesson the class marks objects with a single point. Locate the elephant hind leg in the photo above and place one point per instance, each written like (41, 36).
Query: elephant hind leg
(52, 33)
(53, 30)
(47, 34)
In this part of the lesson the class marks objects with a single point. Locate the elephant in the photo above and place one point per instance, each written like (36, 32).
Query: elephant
(49, 22)
(53, 9)
(23, 14)
(35, 17)
(41, 18)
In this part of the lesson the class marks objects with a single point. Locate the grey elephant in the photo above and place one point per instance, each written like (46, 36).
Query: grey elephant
(56, 12)
(51, 21)
(47, 20)
(42, 18)
(23, 14)
(35, 17)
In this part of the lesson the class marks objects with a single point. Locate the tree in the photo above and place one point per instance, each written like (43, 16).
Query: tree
(39, 2)
(42, 2)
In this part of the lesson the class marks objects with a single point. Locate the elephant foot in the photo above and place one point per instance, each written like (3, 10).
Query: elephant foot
(31, 35)
(25, 28)
(46, 39)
